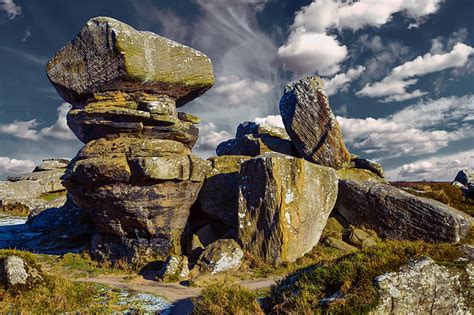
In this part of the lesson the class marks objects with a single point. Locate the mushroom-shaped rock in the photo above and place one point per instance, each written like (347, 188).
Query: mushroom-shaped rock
(109, 55)
(311, 124)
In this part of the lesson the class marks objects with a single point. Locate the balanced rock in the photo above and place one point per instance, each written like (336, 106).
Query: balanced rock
(365, 164)
(52, 164)
(311, 124)
(253, 139)
(284, 204)
(136, 176)
(108, 55)
(421, 287)
(396, 214)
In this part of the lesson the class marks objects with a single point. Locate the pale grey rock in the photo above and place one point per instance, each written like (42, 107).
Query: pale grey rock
(175, 268)
(14, 272)
(221, 256)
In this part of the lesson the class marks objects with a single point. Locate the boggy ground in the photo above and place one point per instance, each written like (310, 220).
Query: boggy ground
(75, 283)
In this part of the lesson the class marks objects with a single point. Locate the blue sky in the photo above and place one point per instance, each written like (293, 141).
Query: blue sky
(399, 73)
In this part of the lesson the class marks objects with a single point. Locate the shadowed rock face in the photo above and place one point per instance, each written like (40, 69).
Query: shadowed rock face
(396, 214)
(284, 204)
(311, 125)
(108, 55)
(136, 176)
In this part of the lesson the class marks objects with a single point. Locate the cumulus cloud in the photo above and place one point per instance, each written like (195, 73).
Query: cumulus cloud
(309, 37)
(209, 137)
(13, 166)
(395, 85)
(439, 168)
(29, 129)
(422, 128)
(237, 90)
(340, 82)
(10, 8)
(272, 120)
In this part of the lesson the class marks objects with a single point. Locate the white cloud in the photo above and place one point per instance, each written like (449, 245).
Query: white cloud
(312, 52)
(14, 166)
(272, 120)
(309, 37)
(10, 8)
(237, 90)
(340, 81)
(28, 129)
(394, 85)
(438, 168)
(210, 138)
(422, 128)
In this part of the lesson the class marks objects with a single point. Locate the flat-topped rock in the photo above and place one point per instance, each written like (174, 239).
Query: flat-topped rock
(108, 55)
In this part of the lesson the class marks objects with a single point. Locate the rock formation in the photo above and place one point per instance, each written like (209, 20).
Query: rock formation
(311, 125)
(284, 204)
(136, 175)
(465, 180)
(36, 191)
(253, 139)
(396, 214)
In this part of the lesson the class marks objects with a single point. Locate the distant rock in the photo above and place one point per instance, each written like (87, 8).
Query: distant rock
(221, 256)
(253, 139)
(358, 175)
(35, 191)
(396, 214)
(311, 124)
(284, 204)
(465, 180)
(108, 55)
(421, 287)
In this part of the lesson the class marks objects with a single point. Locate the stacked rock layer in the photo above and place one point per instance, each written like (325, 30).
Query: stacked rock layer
(136, 175)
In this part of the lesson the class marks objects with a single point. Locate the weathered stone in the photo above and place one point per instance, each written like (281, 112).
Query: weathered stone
(421, 287)
(221, 256)
(252, 146)
(333, 229)
(136, 220)
(183, 132)
(112, 168)
(175, 268)
(159, 105)
(358, 175)
(108, 55)
(311, 125)
(360, 238)
(219, 196)
(339, 245)
(396, 214)
(256, 129)
(48, 180)
(189, 118)
(132, 147)
(52, 164)
(465, 176)
(284, 204)
(13, 272)
(366, 164)
(161, 168)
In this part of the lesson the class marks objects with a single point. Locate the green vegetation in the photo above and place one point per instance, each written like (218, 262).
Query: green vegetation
(352, 277)
(221, 298)
(443, 192)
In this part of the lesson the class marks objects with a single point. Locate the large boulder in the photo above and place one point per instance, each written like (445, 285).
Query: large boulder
(396, 214)
(311, 124)
(108, 55)
(17, 274)
(221, 256)
(465, 180)
(253, 139)
(421, 287)
(284, 204)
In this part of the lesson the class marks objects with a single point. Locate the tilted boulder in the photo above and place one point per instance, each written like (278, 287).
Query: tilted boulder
(311, 124)
(253, 139)
(465, 180)
(136, 176)
(108, 55)
(421, 287)
(396, 214)
(284, 204)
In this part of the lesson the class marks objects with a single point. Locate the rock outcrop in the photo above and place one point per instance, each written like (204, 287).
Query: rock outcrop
(396, 214)
(284, 204)
(253, 139)
(311, 124)
(36, 191)
(421, 287)
(465, 180)
(135, 176)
